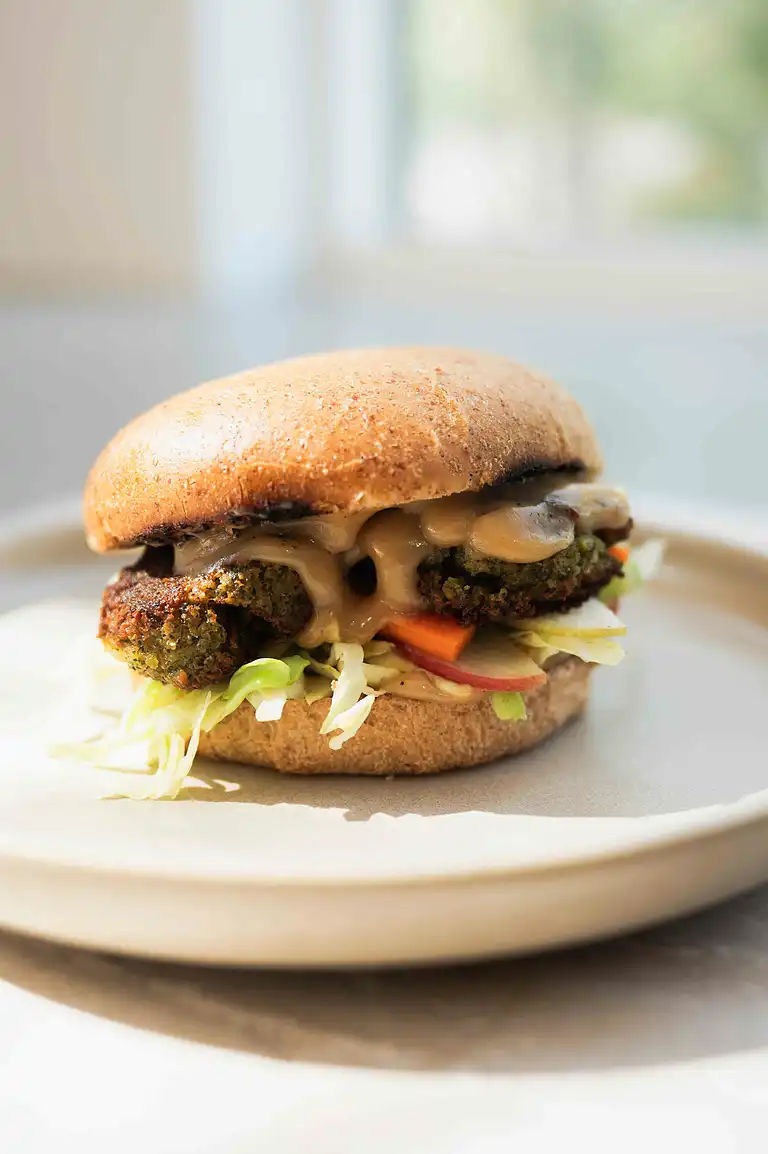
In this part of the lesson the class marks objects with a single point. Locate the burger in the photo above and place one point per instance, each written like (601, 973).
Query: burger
(390, 561)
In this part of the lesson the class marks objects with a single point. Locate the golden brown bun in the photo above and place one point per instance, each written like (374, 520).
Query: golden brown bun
(337, 432)
(400, 736)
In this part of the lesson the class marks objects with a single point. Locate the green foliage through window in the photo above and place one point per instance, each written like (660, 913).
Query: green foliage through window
(690, 77)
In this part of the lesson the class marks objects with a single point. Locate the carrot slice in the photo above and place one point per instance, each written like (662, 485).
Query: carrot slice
(620, 552)
(440, 636)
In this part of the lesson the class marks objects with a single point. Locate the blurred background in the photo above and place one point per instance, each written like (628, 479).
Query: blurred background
(195, 186)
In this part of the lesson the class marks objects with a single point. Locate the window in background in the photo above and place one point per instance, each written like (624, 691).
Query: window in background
(536, 122)
(583, 185)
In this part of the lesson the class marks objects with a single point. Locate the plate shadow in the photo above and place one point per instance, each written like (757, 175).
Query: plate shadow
(689, 990)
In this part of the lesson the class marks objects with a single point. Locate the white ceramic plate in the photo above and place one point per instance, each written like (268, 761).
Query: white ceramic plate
(653, 804)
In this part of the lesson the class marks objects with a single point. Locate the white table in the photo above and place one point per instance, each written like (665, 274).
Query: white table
(661, 1035)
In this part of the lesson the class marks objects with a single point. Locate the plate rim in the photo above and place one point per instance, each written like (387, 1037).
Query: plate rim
(688, 523)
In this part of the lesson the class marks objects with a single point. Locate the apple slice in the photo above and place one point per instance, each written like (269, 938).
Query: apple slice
(491, 661)
(592, 619)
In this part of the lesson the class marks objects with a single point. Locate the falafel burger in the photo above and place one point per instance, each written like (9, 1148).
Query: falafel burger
(376, 562)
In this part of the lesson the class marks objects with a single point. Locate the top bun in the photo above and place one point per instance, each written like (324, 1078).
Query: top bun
(338, 432)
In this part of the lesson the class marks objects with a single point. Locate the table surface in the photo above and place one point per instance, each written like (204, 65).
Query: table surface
(668, 1027)
(663, 1032)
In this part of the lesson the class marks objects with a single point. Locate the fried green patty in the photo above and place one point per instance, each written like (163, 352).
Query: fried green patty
(195, 631)
(473, 588)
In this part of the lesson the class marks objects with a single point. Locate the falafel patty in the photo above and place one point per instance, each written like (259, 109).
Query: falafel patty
(195, 631)
(475, 588)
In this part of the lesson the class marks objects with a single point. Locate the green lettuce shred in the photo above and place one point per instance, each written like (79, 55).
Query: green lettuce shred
(509, 706)
(160, 728)
(641, 567)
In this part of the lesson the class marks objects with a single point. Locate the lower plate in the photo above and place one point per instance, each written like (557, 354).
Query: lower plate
(653, 804)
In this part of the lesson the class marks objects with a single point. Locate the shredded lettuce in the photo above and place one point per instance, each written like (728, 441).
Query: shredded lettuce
(161, 726)
(173, 763)
(268, 706)
(648, 558)
(349, 685)
(260, 681)
(347, 712)
(509, 706)
(588, 632)
(595, 650)
(618, 587)
(316, 688)
(377, 648)
(592, 619)
(642, 565)
(377, 676)
(323, 668)
(348, 722)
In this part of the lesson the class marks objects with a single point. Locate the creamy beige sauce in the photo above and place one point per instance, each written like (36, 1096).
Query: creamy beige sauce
(420, 686)
(598, 506)
(448, 522)
(522, 534)
(497, 523)
(321, 574)
(396, 544)
(335, 532)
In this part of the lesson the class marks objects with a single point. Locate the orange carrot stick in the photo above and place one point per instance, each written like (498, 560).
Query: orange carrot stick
(440, 636)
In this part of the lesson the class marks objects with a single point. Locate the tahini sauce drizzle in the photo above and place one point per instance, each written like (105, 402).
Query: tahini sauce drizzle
(398, 540)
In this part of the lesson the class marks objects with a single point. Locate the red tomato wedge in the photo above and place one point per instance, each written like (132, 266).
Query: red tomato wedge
(441, 636)
(492, 661)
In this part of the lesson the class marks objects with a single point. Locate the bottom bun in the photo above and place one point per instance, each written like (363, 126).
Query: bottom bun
(400, 735)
